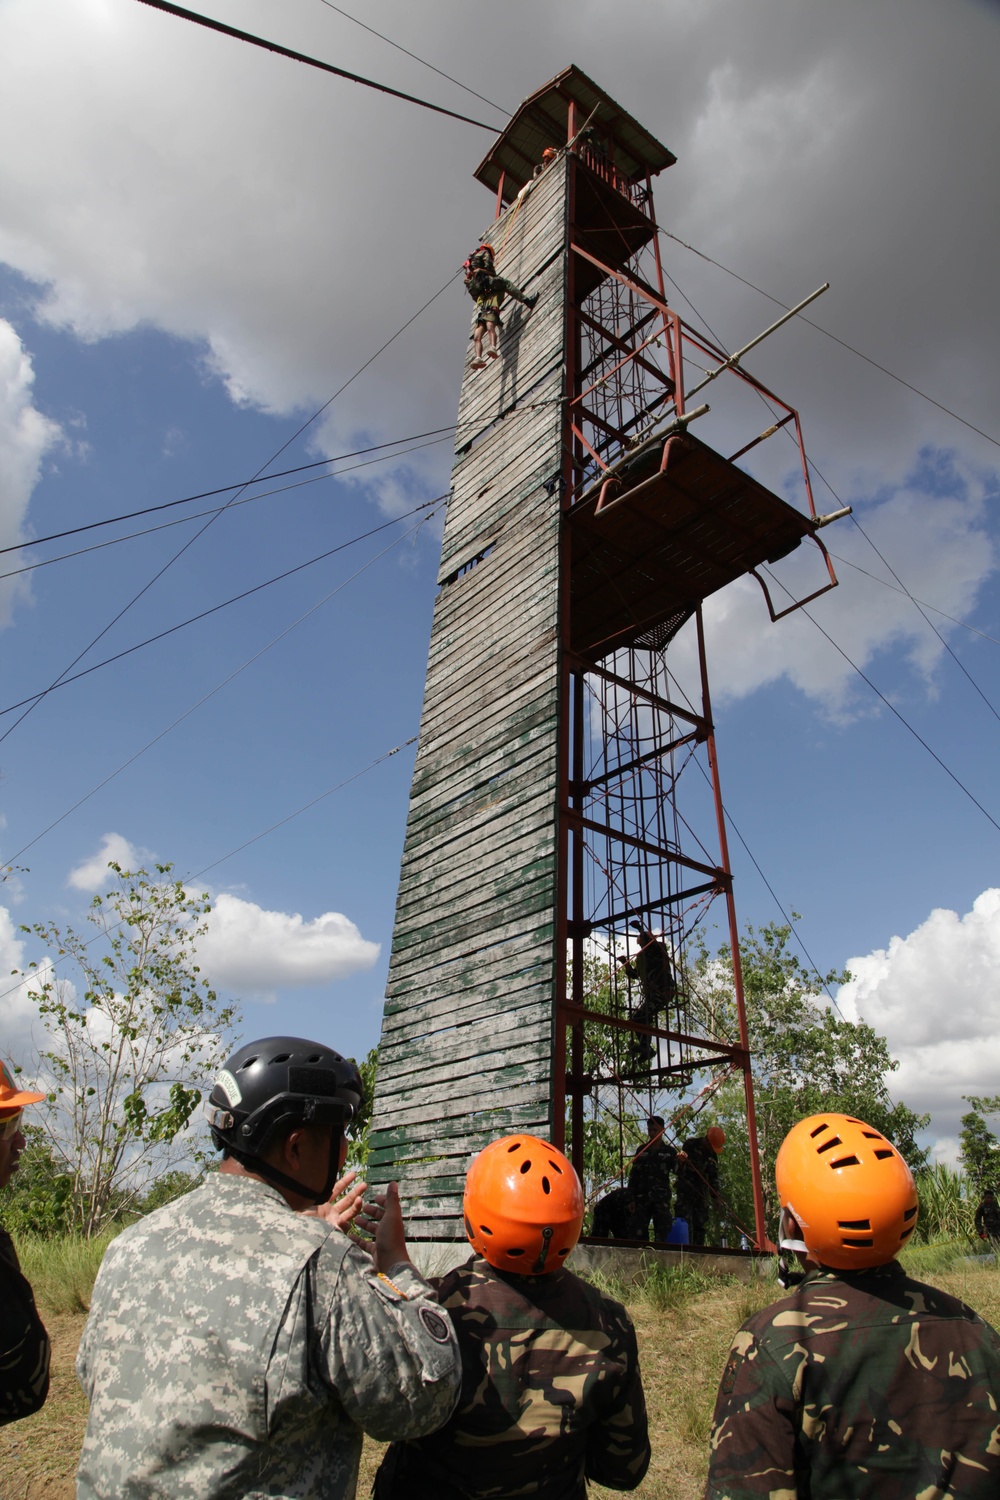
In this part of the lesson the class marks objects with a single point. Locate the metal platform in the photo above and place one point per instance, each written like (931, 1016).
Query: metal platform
(647, 547)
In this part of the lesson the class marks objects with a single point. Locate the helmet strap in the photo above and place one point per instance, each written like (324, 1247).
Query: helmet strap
(539, 1265)
(261, 1168)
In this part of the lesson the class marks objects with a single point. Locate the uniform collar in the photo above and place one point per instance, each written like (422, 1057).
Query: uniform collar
(234, 1185)
(890, 1271)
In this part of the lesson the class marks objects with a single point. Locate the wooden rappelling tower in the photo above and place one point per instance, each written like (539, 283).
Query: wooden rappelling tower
(585, 528)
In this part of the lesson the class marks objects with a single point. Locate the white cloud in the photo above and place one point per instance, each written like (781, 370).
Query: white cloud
(940, 547)
(289, 222)
(20, 1015)
(92, 874)
(935, 994)
(25, 437)
(254, 951)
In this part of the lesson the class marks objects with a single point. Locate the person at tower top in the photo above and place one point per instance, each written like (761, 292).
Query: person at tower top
(862, 1383)
(551, 1392)
(24, 1344)
(238, 1342)
(488, 289)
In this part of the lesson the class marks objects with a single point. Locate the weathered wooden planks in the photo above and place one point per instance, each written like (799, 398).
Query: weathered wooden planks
(467, 1037)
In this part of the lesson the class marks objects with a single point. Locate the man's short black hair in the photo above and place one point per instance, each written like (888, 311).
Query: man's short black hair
(656, 1120)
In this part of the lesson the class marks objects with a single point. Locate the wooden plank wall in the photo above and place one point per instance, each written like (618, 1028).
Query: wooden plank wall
(467, 1031)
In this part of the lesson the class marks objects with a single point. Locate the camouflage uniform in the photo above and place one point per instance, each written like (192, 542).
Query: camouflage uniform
(697, 1185)
(24, 1344)
(863, 1386)
(551, 1393)
(236, 1350)
(649, 1185)
(988, 1219)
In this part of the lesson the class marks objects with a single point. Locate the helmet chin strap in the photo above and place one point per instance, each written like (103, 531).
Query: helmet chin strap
(261, 1168)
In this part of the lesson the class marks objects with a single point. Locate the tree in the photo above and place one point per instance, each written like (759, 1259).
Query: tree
(357, 1153)
(127, 1054)
(979, 1145)
(805, 1057)
(39, 1197)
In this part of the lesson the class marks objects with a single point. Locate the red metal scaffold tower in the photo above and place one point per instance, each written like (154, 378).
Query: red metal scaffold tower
(643, 521)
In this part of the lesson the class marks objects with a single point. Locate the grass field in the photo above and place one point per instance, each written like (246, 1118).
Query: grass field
(684, 1325)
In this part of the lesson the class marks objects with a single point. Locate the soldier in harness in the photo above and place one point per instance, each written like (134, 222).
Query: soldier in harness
(657, 987)
(488, 290)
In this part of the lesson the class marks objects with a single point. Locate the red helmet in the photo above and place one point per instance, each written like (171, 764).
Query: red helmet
(549, 154)
(523, 1205)
(716, 1137)
(848, 1189)
(484, 246)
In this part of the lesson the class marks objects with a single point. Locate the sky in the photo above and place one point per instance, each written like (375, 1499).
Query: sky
(202, 243)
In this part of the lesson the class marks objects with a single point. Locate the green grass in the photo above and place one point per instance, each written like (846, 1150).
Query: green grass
(62, 1269)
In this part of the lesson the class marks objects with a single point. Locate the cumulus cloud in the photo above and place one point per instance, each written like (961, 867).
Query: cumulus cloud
(289, 223)
(20, 1015)
(25, 438)
(935, 528)
(92, 874)
(934, 995)
(254, 951)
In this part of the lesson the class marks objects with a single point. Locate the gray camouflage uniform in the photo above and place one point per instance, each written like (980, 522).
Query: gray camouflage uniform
(236, 1350)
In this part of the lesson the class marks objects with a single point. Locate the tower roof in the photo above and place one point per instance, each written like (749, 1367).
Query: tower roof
(542, 120)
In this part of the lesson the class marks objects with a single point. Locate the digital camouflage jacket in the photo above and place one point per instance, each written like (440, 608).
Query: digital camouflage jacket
(551, 1394)
(865, 1386)
(235, 1350)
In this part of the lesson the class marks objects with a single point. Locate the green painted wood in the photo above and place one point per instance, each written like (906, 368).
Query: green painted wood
(466, 1051)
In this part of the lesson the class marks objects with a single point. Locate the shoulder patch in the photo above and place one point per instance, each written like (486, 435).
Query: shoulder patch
(729, 1373)
(435, 1324)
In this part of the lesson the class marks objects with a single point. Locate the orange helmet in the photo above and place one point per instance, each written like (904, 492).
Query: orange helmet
(523, 1205)
(11, 1097)
(849, 1189)
(549, 154)
(716, 1137)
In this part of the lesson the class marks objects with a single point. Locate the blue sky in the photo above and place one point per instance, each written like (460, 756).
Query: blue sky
(200, 244)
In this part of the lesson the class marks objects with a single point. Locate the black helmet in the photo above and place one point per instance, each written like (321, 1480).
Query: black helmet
(272, 1086)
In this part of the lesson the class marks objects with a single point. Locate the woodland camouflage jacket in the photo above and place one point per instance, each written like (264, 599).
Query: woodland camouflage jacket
(235, 1350)
(24, 1344)
(551, 1392)
(863, 1386)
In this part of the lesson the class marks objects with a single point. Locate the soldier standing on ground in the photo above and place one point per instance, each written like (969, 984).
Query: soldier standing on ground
(698, 1181)
(862, 1383)
(24, 1344)
(551, 1391)
(988, 1217)
(238, 1342)
(649, 1184)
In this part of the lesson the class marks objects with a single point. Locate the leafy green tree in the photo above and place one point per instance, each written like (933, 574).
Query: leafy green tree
(357, 1153)
(980, 1149)
(128, 1051)
(168, 1188)
(805, 1058)
(39, 1197)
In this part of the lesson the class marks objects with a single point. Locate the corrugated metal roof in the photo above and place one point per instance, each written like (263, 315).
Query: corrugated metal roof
(541, 121)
